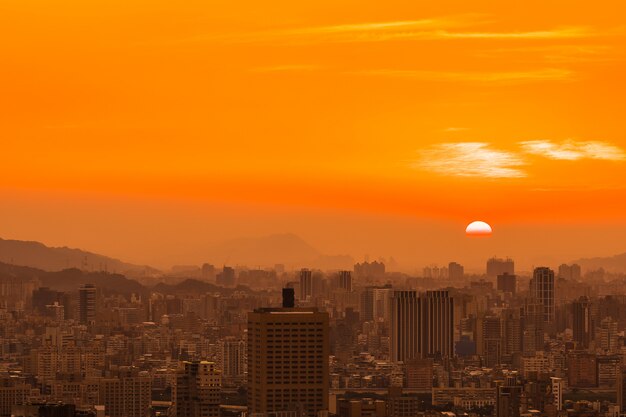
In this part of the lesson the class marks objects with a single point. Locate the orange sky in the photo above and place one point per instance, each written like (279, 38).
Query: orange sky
(396, 113)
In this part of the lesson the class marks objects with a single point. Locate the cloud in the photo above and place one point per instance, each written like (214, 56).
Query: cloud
(504, 77)
(287, 68)
(555, 54)
(455, 129)
(574, 150)
(470, 159)
(436, 28)
(557, 33)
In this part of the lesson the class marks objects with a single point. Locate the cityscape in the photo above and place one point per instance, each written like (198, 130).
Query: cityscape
(311, 343)
(313, 208)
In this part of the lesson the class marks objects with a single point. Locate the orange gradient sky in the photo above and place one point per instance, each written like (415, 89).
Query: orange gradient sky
(135, 127)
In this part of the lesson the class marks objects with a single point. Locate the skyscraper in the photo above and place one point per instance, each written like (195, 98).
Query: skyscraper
(455, 271)
(499, 266)
(366, 304)
(345, 280)
(570, 272)
(196, 391)
(490, 338)
(507, 283)
(542, 291)
(405, 326)
(582, 322)
(421, 325)
(437, 320)
(87, 304)
(306, 284)
(288, 352)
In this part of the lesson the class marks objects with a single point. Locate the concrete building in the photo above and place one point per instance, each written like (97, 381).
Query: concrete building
(288, 352)
(196, 391)
(542, 291)
(87, 304)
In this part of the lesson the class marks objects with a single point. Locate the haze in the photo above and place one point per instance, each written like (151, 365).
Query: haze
(151, 130)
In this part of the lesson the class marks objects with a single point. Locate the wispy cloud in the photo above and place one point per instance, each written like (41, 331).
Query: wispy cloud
(555, 54)
(435, 28)
(556, 33)
(287, 68)
(504, 77)
(574, 150)
(455, 129)
(470, 159)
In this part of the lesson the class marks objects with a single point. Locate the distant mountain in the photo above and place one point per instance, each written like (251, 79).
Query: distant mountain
(287, 249)
(38, 255)
(615, 263)
(72, 279)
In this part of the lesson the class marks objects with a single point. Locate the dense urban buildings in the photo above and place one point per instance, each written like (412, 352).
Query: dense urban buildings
(311, 343)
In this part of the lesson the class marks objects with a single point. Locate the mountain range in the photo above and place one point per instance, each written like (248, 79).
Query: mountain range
(38, 255)
(266, 251)
(616, 263)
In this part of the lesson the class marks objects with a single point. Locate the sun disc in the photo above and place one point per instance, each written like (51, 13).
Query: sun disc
(478, 228)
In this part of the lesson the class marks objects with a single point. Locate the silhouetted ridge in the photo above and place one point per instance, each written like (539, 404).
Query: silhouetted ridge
(38, 255)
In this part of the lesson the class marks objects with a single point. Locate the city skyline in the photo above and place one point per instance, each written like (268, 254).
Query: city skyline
(330, 208)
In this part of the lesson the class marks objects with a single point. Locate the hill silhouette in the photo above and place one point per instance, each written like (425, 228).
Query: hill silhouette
(38, 255)
(616, 263)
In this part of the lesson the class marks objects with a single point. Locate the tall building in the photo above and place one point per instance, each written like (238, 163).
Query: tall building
(499, 266)
(87, 304)
(569, 272)
(196, 391)
(582, 370)
(226, 277)
(511, 332)
(233, 353)
(288, 351)
(366, 304)
(455, 271)
(382, 304)
(406, 343)
(490, 338)
(507, 283)
(533, 327)
(437, 320)
(608, 336)
(369, 270)
(345, 280)
(421, 325)
(306, 284)
(582, 322)
(542, 291)
(126, 394)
